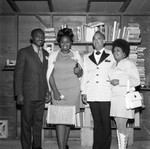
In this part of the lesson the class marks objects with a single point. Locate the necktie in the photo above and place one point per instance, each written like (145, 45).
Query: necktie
(98, 52)
(40, 54)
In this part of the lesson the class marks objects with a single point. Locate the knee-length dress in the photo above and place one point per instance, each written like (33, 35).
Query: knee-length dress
(123, 71)
(66, 81)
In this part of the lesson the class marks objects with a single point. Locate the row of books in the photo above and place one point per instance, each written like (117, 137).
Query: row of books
(85, 32)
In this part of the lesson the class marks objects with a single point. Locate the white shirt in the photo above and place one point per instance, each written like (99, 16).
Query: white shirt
(97, 57)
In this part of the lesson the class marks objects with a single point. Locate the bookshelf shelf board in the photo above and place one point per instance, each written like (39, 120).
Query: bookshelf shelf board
(8, 68)
(90, 43)
(142, 89)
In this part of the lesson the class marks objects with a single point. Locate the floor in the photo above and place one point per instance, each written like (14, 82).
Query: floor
(73, 144)
(141, 141)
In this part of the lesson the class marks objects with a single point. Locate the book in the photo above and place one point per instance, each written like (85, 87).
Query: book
(95, 24)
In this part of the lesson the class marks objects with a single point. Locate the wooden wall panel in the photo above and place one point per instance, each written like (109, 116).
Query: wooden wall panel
(7, 101)
(8, 50)
(6, 77)
(8, 38)
(27, 24)
(107, 19)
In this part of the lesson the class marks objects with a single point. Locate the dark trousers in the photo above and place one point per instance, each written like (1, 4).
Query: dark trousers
(31, 124)
(102, 125)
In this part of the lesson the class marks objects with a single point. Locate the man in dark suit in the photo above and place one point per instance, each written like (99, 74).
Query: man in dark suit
(31, 88)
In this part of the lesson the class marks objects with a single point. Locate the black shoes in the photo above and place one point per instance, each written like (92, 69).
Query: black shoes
(67, 147)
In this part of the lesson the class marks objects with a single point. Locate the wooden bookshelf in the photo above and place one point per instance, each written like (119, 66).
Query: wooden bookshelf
(8, 68)
(90, 43)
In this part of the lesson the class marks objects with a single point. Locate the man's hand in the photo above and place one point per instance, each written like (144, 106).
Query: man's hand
(20, 99)
(48, 97)
(84, 98)
(78, 70)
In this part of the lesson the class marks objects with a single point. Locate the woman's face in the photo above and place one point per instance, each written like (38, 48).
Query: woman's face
(65, 43)
(118, 54)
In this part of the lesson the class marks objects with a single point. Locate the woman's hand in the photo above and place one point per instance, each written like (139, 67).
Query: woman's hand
(57, 95)
(20, 99)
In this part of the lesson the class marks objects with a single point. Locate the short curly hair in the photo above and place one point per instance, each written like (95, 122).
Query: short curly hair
(65, 32)
(123, 44)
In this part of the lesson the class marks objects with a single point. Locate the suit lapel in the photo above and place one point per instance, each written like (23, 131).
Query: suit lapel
(35, 55)
(44, 57)
(92, 58)
(103, 57)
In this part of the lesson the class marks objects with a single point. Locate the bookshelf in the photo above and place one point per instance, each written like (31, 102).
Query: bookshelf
(90, 43)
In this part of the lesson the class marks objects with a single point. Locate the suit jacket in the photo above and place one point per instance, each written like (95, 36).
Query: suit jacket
(94, 81)
(30, 74)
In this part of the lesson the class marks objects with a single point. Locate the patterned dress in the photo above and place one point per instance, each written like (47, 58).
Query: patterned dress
(66, 81)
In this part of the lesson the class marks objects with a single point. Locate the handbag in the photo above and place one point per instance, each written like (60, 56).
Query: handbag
(133, 99)
(61, 114)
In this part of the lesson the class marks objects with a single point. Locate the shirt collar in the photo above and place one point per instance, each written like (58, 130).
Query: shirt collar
(99, 51)
(35, 48)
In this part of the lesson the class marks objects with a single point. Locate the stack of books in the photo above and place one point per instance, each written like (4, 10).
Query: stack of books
(132, 33)
(137, 56)
(50, 38)
(50, 35)
(140, 64)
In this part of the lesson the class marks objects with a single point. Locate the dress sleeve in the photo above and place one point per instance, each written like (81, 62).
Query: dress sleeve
(50, 69)
(132, 74)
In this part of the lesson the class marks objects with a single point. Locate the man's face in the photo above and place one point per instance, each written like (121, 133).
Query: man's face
(98, 41)
(38, 38)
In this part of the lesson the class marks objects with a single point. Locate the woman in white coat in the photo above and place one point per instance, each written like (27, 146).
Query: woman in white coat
(122, 71)
(64, 71)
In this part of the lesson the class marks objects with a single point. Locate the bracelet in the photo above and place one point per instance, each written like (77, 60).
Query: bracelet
(61, 96)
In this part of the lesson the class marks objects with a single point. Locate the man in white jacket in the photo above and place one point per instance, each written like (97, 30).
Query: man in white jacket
(96, 90)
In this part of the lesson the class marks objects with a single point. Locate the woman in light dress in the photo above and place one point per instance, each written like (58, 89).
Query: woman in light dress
(122, 71)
